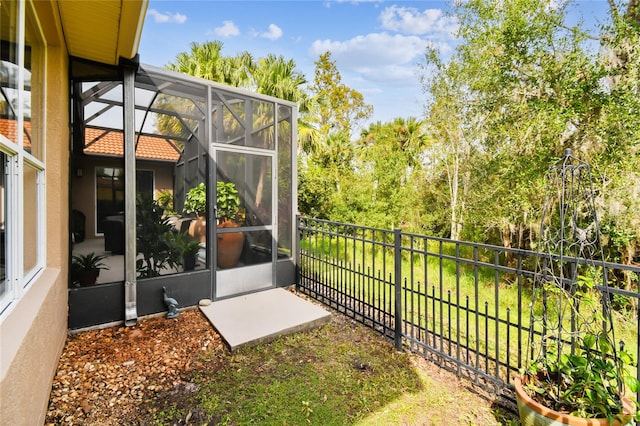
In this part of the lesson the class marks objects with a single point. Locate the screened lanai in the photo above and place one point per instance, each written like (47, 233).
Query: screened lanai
(165, 170)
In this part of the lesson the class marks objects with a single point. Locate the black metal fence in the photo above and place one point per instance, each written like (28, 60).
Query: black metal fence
(463, 305)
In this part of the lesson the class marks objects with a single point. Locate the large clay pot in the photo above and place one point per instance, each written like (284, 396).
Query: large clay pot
(198, 229)
(229, 246)
(533, 413)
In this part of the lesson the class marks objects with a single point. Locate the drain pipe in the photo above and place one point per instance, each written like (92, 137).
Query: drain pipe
(130, 292)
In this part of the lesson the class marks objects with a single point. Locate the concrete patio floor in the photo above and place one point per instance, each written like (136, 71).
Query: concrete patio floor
(260, 317)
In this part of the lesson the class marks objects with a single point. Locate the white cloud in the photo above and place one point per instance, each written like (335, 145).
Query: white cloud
(167, 17)
(391, 57)
(372, 50)
(409, 20)
(228, 29)
(274, 32)
(377, 58)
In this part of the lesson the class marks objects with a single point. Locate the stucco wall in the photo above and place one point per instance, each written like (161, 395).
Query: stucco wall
(34, 332)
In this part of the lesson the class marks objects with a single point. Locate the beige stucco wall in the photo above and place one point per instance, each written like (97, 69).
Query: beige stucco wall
(34, 331)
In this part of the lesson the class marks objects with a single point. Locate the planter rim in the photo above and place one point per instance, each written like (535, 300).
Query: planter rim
(562, 417)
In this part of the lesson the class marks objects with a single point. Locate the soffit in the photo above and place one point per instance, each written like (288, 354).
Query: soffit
(102, 30)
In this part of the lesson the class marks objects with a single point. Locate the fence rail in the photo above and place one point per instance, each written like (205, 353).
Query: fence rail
(463, 305)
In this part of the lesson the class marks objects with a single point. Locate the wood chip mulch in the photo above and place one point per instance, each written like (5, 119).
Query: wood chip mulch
(110, 376)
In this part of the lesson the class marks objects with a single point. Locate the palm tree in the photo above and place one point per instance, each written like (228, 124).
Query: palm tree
(411, 138)
(205, 61)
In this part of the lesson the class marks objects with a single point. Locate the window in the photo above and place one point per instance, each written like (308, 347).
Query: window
(22, 204)
(3, 218)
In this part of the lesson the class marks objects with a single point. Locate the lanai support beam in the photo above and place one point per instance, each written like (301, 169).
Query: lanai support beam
(130, 290)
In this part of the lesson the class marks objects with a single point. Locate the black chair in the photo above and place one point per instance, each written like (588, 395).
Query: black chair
(113, 229)
(78, 226)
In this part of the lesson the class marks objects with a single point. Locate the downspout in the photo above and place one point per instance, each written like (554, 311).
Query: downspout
(129, 69)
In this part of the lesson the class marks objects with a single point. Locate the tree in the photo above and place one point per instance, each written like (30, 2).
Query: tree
(453, 128)
(520, 88)
(340, 108)
(205, 60)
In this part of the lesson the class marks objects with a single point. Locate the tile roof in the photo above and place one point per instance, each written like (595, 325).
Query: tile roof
(110, 142)
(9, 129)
(106, 142)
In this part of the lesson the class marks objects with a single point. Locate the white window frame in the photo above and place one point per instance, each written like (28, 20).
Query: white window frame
(18, 280)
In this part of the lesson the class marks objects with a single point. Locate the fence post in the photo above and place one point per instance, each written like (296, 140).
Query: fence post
(298, 254)
(397, 278)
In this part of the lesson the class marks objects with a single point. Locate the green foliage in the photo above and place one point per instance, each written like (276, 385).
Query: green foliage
(583, 383)
(315, 188)
(521, 87)
(155, 239)
(340, 109)
(205, 60)
(88, 262)
(577, 367)
(227, 201)
(196, 200)
(165, 200)
(187, 245)
(616, 240)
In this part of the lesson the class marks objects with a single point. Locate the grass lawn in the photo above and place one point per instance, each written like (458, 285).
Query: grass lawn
(340, 374)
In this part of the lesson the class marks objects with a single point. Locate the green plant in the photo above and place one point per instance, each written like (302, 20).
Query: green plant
(165, 199)
(188, 246)
(196, 200)
(155, 239)
(227, 200)
(85, 268)
(577, 368)
(88, 262)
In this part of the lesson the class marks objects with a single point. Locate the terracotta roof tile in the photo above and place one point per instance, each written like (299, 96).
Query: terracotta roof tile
(9, 128)
(102, 142)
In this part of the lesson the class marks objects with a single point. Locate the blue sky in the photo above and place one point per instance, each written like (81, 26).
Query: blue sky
(376, 45)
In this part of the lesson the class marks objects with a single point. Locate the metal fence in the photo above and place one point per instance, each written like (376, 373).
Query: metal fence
(465, 306)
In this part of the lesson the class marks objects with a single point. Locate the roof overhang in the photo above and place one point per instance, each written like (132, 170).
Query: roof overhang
(103, 30)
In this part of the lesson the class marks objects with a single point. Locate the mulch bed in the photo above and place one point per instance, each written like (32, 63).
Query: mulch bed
(111, 376)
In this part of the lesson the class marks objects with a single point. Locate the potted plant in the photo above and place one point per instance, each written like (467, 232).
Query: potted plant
(189, 248)
(155, 240)
(85, 268)
(229, 244)
(576, 374)
(196, 202)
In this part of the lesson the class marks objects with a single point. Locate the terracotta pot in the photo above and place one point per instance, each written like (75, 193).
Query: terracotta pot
(533, 413)
(198, 229)
(229, 246)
